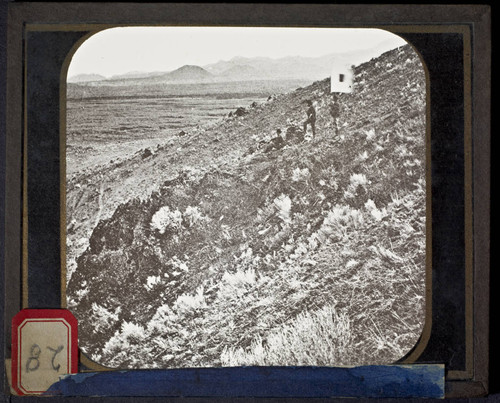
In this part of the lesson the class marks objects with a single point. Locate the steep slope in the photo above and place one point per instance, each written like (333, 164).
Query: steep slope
(218, 249)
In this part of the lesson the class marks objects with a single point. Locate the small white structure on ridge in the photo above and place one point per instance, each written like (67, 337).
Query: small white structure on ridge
(342, 79)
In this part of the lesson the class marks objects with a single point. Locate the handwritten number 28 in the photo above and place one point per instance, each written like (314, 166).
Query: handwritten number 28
(33, 362)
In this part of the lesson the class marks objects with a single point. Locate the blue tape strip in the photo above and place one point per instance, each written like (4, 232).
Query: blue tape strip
(398, 381)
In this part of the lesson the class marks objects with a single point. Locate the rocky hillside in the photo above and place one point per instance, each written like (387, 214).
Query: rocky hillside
(225, 247)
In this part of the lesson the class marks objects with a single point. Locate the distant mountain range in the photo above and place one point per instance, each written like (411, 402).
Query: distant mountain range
(185, 74)
(85, 78)
(241, 69)
(136, 74)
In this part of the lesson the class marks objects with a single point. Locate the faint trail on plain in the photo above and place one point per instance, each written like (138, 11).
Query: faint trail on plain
(100, 204)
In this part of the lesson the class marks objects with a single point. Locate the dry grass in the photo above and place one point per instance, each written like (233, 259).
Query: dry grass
(321, 338)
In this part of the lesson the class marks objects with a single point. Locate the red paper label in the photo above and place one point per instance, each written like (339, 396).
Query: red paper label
(44, 348)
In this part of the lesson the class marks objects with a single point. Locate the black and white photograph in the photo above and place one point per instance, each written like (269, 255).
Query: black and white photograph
(246, 196)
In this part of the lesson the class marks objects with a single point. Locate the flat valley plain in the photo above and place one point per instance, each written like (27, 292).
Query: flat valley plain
(105, 123)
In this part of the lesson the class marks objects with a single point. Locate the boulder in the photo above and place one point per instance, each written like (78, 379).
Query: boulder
(240, 111)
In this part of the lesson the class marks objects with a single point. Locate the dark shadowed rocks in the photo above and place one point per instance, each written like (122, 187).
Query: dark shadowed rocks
(240, 112)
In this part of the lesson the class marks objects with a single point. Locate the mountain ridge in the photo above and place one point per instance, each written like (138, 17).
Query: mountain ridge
(287, 67)
(83, 78)
(189, 73)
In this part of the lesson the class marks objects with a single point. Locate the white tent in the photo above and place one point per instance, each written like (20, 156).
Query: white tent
(342, 78)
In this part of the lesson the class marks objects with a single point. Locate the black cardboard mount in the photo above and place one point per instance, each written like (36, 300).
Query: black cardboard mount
(448, 111)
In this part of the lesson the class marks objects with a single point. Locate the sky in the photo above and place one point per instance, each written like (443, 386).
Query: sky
(146, 49)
